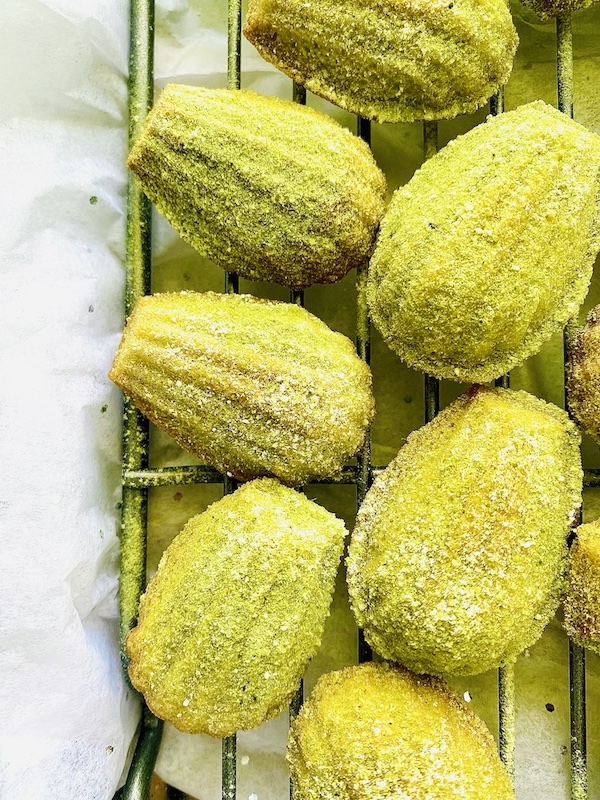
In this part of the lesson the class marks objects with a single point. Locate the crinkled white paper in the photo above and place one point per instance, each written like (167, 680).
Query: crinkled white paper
(68, 719)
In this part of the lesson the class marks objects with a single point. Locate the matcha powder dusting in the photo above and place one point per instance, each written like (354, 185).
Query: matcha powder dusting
(549, 9)
(252, 387)
(264, 187)
(389, 60)
(457, 560)
(236, 610)
(582, 597)
(378, 732)
(488, 250)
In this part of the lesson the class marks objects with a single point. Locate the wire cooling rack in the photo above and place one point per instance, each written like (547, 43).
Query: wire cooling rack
(138, 477)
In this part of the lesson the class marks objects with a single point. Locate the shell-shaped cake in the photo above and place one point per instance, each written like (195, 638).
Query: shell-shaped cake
(252, 387)
(457, 560)
(264, 187)
(377, 732)
(548, 9)
(582, 596)
(236, 610)
(488, 250)
(389, 60)
(583, 375)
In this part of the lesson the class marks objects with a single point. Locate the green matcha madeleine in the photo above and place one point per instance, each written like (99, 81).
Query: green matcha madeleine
(389, 60)
(264, 187)
(488, 250)
(548, 9)
(378, 732)
(252, 387)
(457, 560)
(583, 376)
(582, 597)
(236, 610)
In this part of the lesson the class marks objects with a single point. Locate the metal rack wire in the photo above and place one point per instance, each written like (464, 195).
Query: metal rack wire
(579, 780)
(138, 477)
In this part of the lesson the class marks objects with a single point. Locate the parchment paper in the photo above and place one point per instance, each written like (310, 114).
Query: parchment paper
(67, 718)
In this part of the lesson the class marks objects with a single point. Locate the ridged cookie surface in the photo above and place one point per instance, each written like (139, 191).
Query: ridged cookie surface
(264, 187)
(488, 250)
(252, 387)
(389, 60)
(236, 610)
(457, 559)
(377, 732)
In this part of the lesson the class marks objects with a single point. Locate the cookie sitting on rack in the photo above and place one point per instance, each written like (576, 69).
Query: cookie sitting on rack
(236, 610)
(457, 560)
(548, 9)
(377, 732)
(389, 60)
(489, 249)
(583, 375)
(582, 596)
(269, 189)
(252, 387)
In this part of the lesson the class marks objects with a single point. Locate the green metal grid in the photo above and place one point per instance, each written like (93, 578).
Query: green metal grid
(579, 777)
(138, 477)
